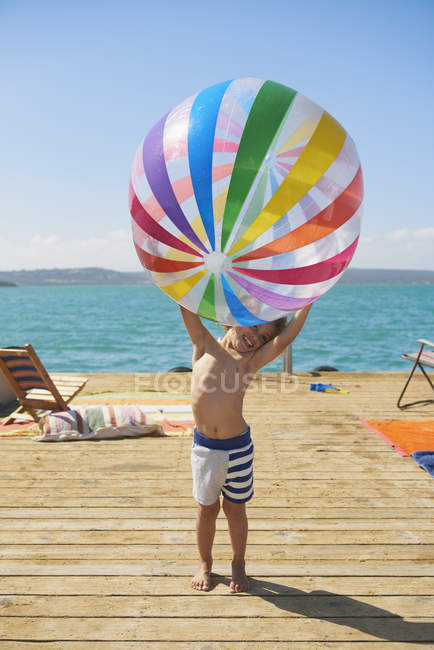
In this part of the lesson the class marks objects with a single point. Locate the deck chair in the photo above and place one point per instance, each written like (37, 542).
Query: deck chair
(419, 359)
(34, 387)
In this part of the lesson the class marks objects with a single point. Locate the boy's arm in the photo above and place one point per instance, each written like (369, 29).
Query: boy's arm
(196, 330)
(276, 346)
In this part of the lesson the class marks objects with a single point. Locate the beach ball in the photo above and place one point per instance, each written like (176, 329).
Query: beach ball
(246, 201)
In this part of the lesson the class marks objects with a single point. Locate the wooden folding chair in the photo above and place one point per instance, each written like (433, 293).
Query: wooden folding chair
(420, 359)
(33, 386)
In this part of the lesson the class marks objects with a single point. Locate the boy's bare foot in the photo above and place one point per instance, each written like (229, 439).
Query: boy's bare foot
(202, 578)
(239, 581)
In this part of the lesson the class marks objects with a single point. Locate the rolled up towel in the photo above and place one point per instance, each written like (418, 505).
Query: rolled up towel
(97, 422)
(425, 459)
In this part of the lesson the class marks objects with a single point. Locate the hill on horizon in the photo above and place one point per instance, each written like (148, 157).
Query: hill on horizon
(96, 275)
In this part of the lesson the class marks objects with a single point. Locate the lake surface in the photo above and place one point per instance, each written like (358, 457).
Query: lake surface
(139, 329)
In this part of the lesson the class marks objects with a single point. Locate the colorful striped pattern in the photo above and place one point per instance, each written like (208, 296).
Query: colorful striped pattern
(84, 419)
(24, 372)
(246, 202)
(238, 486)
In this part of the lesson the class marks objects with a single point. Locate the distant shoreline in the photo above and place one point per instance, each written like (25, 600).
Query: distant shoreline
(100, 276)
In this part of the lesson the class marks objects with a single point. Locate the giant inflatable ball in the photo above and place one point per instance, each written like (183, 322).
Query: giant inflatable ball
(246, 201)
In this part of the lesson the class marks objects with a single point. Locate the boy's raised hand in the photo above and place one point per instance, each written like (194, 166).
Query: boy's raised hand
(196, 330)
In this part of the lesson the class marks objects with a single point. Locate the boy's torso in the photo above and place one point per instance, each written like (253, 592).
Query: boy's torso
(218, 385)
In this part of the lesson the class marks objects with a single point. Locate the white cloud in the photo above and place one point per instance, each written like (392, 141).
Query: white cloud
(113, 251)
(405, 248)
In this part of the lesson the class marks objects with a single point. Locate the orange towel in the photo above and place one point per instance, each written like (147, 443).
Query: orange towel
(177, 428)
(405, 436)
(16, 430)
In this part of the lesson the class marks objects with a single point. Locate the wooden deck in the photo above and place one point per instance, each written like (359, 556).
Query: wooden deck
(97, 541)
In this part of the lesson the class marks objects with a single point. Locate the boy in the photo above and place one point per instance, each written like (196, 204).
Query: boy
(222, 452)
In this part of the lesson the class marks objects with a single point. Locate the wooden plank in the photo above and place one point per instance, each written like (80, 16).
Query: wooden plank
(127, 502)
(174, 551)
(226, 629)
(408, 524)
(373, 449)
(119, 459)
(277, 497)
(101, 585)
(281, 506)
(286, 514)
(24, 479)
(153, 469)
(153, 446)
(289, 489)
(188, 568)
(108, 463)
(275, 536)
(353, 434)
(118, 482)
(41, 393)
(278, 507)
(324, 434)
(129, 489)
(296, 605)
(45, 481)
(364, 446)
(210, 645)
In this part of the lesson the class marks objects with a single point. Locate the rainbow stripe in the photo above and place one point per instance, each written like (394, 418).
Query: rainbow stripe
(246, 201)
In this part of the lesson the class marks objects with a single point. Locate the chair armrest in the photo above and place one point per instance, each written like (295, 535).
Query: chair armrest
(425, 342)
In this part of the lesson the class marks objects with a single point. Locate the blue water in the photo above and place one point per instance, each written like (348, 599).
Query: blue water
(139, 329)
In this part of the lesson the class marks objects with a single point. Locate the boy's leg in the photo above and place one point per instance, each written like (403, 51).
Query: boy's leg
(238, 529)
(205, 532)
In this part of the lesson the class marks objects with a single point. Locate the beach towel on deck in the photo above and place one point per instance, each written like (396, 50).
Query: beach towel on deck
(425, 459)
(97, 422)
(404, 436)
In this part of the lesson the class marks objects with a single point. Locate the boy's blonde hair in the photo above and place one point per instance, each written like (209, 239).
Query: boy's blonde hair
(279, 325)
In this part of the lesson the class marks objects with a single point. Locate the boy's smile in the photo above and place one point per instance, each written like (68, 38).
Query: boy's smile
(250, 338)
(248, 341)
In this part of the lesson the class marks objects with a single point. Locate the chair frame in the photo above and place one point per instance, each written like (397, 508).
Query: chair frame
(419, 362)
(60, 389)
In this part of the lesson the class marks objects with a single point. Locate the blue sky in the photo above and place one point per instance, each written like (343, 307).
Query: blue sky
(83, 82)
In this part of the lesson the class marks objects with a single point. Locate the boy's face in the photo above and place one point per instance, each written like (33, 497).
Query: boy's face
(250, 338)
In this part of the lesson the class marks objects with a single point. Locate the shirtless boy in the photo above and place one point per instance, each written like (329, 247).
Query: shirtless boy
(222, 452)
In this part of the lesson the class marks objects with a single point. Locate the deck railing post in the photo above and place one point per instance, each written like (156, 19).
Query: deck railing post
(287, 360)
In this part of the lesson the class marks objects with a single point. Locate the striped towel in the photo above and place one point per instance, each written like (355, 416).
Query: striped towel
(97, 422)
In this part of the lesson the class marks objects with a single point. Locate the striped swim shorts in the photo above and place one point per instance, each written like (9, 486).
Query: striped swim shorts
(222, 466)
